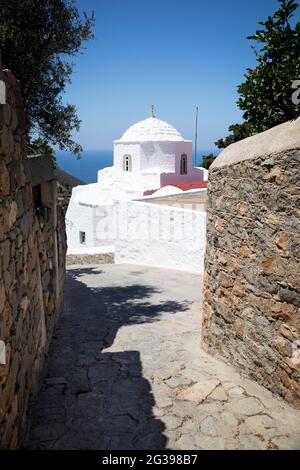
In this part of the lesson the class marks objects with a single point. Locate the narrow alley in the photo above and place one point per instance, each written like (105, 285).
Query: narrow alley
(125, 371)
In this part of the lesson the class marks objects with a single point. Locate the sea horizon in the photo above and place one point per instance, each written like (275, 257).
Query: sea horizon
(86, 167)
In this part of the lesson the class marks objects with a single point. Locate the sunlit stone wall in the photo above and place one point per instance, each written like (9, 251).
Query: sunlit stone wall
(32, 261)
(252, 265)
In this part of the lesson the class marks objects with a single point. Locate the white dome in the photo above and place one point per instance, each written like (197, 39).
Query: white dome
(151, 129)
(167, 191)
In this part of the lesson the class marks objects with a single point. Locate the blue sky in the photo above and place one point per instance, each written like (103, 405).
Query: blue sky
(175, 54)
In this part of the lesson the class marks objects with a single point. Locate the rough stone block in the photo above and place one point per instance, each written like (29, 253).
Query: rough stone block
(26, 248)
(251, 312)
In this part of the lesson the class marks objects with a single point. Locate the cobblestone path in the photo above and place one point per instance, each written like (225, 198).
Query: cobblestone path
(125, 371)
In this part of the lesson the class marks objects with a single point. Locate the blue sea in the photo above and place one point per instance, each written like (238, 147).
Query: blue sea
(85, 168)
(91, 161)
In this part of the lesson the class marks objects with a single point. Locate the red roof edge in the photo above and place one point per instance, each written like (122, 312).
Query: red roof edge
(183, 186)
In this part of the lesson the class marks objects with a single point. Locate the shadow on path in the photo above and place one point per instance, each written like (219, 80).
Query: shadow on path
(90, 399)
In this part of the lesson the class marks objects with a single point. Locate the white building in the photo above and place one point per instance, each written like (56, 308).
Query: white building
(151, 157)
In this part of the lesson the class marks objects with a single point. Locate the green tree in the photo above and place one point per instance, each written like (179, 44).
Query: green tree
(207, 160)
(37, 38)
(266, 94)
(238, 132)
(41, 147)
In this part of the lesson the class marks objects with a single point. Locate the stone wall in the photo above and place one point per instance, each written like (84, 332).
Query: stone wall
(32, 264)
(252, 263)
(83, 259)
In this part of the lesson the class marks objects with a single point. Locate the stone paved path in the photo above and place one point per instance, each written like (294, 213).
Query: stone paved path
(125, 371)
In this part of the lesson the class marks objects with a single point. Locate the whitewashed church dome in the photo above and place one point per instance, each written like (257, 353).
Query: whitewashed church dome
(151, 129)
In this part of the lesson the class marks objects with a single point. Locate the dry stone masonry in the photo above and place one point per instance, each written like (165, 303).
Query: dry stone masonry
(83, 259)
(252, 283)
(32, 264)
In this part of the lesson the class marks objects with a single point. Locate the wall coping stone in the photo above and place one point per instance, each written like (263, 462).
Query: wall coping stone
(41, 169)
(278, 139)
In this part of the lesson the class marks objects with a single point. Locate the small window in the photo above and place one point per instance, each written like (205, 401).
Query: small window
(127, 164)
(82, 237)
(183, 164)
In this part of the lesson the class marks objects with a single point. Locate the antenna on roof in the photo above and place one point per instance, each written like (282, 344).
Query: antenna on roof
(196, 136)
(152, 111)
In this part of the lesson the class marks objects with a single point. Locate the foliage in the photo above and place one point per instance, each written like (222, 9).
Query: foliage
(238, 132)
(207, 160)
(266, 94)
(41, 147)
(37, 38)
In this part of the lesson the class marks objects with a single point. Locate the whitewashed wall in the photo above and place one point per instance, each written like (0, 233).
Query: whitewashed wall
(139, 233)
(159, 155)
(79, 218)
(97, 222)
(164, 156)
(155, 235)
(121, 149)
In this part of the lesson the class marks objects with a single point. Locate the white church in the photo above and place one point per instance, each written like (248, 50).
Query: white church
(152, 170)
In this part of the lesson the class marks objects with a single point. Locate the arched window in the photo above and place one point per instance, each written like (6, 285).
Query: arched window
(127, 163)
(183, 164)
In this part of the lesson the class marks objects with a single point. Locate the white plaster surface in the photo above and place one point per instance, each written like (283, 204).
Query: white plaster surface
(103, 208)
(151, 129)
(92, 250)
(205, 173)
(162, 236)
(161, 195)
(167, 191)
(140, 233)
